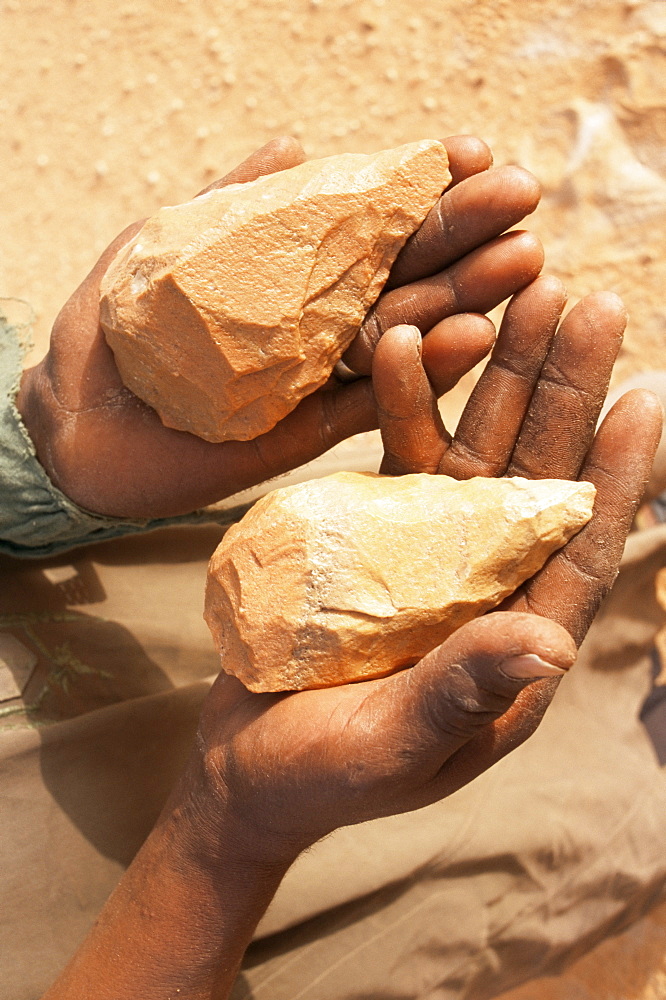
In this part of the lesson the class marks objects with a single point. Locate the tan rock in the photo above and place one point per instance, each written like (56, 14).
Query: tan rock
(224, 312)
(356, 575)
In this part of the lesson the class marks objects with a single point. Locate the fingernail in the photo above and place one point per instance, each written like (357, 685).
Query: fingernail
(345, 374)
(411, 335)
(530, 666)
(418, 339)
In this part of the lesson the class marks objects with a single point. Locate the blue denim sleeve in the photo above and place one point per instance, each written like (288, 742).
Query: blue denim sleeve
(36, 519)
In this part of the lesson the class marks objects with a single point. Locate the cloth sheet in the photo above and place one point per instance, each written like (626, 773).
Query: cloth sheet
(104, 662)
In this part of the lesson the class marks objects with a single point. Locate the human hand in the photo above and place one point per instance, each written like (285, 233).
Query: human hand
(109, 452)
(270, 774)
(298, 765)
(534, 413)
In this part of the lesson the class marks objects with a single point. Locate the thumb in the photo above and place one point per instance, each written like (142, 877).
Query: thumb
(464, 705)
(278, 154)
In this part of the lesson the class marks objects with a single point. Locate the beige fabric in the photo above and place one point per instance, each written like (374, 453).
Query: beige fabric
(628, 966)
(517, 874)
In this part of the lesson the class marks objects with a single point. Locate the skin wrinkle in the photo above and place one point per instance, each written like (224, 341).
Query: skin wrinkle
(602, 475)
(480, 464)
(554, 377)
(464, 707)
(258, 451)
(409, 299)
(462, 452)
(522, 367)
(463, 460)
(327, 436)
(588, 574)
(372, 330)
(455, 287)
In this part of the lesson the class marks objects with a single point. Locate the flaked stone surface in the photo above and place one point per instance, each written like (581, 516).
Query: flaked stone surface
(356, 575)
(224, 312)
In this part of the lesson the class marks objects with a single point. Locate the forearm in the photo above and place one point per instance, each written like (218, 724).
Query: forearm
(181, 918)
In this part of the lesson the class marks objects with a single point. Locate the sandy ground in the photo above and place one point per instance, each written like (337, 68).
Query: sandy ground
(110, 110)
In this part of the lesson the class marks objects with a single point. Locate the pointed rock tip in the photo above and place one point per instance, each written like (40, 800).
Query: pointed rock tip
(576, 496)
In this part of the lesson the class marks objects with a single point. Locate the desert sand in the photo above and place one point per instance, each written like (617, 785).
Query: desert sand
(110, 111)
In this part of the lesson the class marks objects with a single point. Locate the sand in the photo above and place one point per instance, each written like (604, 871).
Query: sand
(109, 111)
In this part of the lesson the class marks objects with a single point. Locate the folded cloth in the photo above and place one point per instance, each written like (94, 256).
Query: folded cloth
(106, 660)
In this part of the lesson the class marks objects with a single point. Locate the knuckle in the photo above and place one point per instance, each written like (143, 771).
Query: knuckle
(554, 379)
(523, 368)
(462, 707)
(325, 426)
(473, 461)
(372, 329)
(525, 464)
(264, 463)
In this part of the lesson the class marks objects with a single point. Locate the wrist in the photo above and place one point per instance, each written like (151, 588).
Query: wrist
(28, 403)
(228, 829)
(180, 918)
(54, 434)
(38, 417)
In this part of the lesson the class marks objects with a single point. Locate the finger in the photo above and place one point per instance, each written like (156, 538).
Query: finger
(467, 156)
(173, 472)
(494, 742)
(561, 420)
(466, 216)
(278, 154)
(574, 581)
(453, 347)
(570, 588)
(475, 284)
(491, 421)
(319, 422)
(655, 381)
(461, 691)
(412, 431)
(407, 376)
